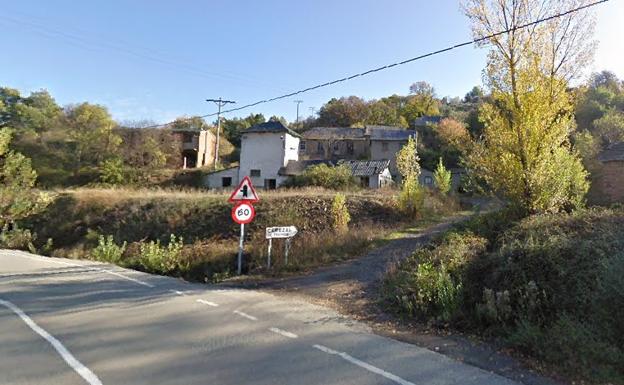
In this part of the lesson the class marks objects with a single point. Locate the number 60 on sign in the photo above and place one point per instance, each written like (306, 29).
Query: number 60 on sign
(243, 213)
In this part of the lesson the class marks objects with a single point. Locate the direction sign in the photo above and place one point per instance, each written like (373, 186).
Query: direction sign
(281, 232)
(245, 192)
(243, 213)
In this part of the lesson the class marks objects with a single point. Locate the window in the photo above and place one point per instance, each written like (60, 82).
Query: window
(319, 148)
(302, 145)
(350, 148)
(428, 180)
(255, 173)
(384, 146)
(336, 146)
(226, 181)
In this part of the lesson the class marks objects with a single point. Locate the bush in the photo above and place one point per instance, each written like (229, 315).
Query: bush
(112, 171)
(322, 175)
(108, 251)
(340, 213)
(159, 259)
(429, 283)
(411, 198)
(442, 178)
(16, 238)
(550, 285)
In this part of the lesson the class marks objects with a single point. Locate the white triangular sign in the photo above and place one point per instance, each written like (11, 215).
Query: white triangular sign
(244, 192)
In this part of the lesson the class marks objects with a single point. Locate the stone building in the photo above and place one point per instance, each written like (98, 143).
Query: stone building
(197, 147)
(610, 183)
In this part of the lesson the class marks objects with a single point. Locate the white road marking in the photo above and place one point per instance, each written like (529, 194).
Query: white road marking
(82, 370)
(178, 292)
(283, 332)
(47, 259)
(208, 303)
(240, 313)
(364, 365)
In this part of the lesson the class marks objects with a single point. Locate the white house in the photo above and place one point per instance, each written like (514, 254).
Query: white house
(265, 149)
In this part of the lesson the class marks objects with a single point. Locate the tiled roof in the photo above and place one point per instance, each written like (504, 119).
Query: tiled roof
(424, 120)
(614, 153)
(297, 167)
(366, 167)
(270, 126)
(372, 132)
(377, 133)
(324, 133)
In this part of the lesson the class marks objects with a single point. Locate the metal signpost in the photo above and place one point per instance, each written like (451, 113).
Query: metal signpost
(287, 232)
(243, 212)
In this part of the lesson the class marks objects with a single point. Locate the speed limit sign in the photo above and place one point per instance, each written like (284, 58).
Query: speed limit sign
(243, 213)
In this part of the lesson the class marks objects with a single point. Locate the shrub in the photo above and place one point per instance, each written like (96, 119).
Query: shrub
(156, 258)
(442, 178)
(108, 251)
(13, 237)
(322, 175)
(112, 171)
(429, 283)
(549, 285)
(340, 213)
(411, 198)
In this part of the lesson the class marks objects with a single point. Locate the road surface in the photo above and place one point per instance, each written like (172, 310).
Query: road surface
(79, 322)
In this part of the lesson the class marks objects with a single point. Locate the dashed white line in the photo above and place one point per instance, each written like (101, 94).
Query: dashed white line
(364, 365)
(47, 259)
(178, 292)
(207, 303)
(245, 315)
(283, 332)
(82, 370)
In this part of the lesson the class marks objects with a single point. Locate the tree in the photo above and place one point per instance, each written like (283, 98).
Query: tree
(343, 112)
(411, 197)
(407, 160)
(91, 127)
(18, 198)
(452, 132)
(442, 178)
(421, 102)
(525, 154)
(610, 127)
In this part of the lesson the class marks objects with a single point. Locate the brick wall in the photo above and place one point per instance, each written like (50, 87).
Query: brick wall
(611, 181)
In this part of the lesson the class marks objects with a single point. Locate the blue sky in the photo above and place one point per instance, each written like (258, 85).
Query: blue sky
(152, 59)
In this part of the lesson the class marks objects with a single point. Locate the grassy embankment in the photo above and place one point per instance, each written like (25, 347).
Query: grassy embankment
(550, 286)
(145, 219)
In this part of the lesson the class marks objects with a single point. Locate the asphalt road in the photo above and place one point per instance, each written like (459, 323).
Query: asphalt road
(79, 322)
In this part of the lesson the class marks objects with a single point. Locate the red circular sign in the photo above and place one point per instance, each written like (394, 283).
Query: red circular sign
(243, 213)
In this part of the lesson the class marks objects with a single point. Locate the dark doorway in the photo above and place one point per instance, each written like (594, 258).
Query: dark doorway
(270, 184)
(364, 181)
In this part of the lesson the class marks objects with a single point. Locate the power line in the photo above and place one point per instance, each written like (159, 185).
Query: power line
(413, 59)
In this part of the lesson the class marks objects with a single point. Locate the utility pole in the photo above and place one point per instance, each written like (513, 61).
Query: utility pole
(220, 103)
(298, 103)
(312, 110)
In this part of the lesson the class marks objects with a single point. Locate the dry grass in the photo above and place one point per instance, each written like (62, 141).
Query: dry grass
(115, 195)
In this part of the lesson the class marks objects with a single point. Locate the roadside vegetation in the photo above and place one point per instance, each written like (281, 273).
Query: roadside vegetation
(189, 233)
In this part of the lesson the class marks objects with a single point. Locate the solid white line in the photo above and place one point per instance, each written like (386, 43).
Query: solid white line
(240, 313)
(364, 365)
(47, 259)
(82, 370)
(178, 292)
(283, 332)
(208, 303)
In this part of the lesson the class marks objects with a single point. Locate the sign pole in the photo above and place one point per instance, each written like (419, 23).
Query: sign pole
(269, 254)
(240, 249)
(286, 247)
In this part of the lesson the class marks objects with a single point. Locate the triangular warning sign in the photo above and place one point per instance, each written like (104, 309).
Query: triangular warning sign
(244, 192)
